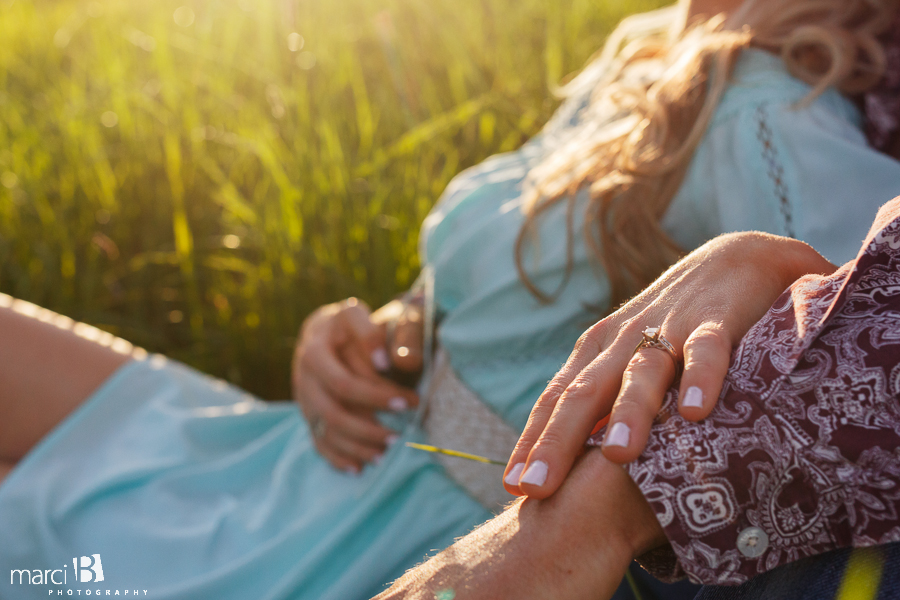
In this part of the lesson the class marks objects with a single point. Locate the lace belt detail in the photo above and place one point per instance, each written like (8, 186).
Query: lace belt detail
(456, 418)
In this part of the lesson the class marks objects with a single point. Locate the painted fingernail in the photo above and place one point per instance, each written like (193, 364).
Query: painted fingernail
(391, 439)
(380, 359)
(536, 473)
(377, 459)
(352, 470)
(618, 435)
(398, 404)
(693, 397)
(512, 478)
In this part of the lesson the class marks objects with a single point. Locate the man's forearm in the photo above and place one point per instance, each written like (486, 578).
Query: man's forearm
(576, 544)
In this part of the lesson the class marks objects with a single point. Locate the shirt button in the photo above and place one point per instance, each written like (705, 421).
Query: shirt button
(752, 542)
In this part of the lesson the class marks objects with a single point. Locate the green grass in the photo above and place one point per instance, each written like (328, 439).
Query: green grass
(178, 174)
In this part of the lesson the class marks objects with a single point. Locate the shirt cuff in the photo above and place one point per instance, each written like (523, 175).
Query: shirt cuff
(801, 454)
(748, 489)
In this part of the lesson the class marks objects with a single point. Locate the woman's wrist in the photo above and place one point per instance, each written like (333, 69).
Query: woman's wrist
(790, 259)
(799, 259)
(619, 512)
(601, 507)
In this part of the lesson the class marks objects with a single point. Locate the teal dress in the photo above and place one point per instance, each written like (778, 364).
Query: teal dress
(189, 488)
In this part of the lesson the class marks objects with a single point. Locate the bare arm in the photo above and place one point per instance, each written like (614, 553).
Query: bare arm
(574, 545)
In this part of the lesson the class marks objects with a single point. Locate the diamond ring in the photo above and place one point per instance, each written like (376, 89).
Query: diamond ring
(653, 338)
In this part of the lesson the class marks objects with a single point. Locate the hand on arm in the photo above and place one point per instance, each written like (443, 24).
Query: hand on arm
(342, 356)
(704, 305)
(575, 545)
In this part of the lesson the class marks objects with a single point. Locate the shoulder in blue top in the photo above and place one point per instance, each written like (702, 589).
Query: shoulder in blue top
(767, 163)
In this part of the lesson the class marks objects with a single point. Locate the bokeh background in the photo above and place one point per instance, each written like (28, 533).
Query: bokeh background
(198, 177)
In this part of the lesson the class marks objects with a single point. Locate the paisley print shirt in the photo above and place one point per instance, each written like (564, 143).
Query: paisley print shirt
(882, 104)
(802, 453)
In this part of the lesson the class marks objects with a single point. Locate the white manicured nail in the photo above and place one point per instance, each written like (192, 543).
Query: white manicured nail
(398, 404)
(380, 359)
(536, 473)
(693, 397)
(618, 435)
(391, 439)
(513, 477)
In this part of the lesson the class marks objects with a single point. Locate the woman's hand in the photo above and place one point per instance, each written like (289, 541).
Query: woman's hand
(703, 305)
(404, 322)
(338, 377)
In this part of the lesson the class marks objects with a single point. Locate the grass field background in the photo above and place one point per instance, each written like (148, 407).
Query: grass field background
(197, 177)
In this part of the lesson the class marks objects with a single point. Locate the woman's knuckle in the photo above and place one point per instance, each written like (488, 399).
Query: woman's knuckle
(712, 335)
(331, 419)
(705, 359)
(712, 327)
(585, 344)
(374, 437)
(648, 359)
(595, 333)
(351, 447)
(699, 365)
(583, 388)
(580, 343)
(549, 440)
(328, 411)
(524, 444)
(628, 324)
(305, 358)
(540, 413)
(552, 392)
(629, 404)
(321, 316)
(630, 331)
(342, 387)
(365, 429)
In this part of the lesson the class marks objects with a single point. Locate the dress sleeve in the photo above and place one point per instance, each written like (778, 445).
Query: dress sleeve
(802, 453)
(770, 165)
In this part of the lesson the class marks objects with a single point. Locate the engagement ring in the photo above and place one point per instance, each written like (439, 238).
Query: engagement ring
(652, 338)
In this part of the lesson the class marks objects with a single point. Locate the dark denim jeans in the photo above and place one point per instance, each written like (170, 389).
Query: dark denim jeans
(816, 578)
(653, 589)
(819, 578)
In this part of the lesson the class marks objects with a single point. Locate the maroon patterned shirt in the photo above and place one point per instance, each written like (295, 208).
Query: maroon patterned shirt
(882, 104)
(801, 455)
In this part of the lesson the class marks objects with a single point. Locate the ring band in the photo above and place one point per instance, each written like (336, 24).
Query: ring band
(653, 338)
(318, 427)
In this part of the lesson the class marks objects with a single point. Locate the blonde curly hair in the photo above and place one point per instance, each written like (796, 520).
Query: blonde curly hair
(656, 87)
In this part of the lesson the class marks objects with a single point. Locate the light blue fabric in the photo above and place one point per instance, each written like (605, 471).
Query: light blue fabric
(189, 488)
(764, 164)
